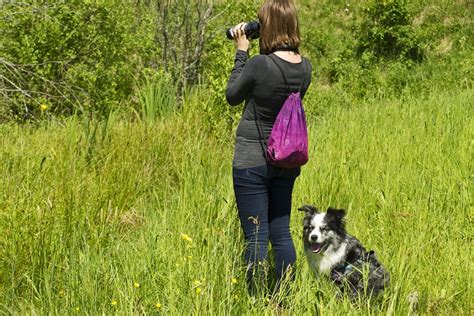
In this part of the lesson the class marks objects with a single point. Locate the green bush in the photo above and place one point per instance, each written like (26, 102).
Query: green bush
(386, 32)
(219, 61)
(72, 56)
(60, 57)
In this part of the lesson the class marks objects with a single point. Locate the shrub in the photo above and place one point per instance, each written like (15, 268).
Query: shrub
(72, 56)
(81, 56)
(386, 32)
(219, 60)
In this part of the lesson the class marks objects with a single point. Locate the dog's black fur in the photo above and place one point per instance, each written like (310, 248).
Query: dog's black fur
(351, 267)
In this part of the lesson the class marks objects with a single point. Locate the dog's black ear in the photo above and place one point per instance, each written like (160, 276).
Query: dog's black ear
(336, 213)
(309, 209)
(335, 220)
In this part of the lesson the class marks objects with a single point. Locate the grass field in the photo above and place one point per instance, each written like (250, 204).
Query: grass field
(123, 217)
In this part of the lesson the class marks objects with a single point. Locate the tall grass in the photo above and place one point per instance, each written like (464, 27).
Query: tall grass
(156, 97)
(147, 221)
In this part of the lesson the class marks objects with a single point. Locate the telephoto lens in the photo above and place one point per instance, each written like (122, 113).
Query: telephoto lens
(251, 30)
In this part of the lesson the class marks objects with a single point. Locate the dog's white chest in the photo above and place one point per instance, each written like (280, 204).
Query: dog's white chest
(326, 261)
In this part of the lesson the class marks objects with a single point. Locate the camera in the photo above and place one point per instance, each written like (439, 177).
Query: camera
(251, 30)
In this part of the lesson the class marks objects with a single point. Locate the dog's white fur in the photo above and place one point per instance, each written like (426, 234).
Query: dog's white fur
(329, 258)
(331, 250)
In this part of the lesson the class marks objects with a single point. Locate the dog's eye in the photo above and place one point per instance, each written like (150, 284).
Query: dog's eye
(323, 229)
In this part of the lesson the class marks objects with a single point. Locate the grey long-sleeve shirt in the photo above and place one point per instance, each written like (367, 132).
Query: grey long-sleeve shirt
(260, 83)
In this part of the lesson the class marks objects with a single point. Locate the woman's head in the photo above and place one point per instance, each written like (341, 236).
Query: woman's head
(278, 25)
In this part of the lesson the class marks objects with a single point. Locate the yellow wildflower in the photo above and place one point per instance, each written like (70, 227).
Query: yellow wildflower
(158, 306)
(198, 291)
(234, 281)
(77, 309)
(136, 285)
(196, 282)
(43, 107)
(186, 238)
(114, 303)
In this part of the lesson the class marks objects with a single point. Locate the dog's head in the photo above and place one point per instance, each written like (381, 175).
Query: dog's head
(320, 230)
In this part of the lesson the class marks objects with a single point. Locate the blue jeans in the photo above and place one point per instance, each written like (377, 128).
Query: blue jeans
(263, 196)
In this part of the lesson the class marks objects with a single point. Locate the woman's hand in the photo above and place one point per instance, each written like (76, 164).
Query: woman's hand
(242, 43)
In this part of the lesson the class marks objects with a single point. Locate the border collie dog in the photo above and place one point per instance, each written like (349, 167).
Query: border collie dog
(331, 250)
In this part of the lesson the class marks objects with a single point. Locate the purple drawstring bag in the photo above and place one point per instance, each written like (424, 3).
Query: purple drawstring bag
(287, 145)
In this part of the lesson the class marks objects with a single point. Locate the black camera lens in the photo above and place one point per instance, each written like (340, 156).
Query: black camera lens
(251, 30)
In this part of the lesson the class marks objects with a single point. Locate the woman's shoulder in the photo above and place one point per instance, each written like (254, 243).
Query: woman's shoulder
(258, 63)
(259, 59)
(306, 61)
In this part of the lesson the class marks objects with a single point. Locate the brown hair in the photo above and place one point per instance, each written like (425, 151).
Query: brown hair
(278, 26)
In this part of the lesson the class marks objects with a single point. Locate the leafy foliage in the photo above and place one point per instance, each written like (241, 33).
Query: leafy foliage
(69, 54)
(77, 56)
(80, 56)
(386, 32)
(181, 30)
(346, 43)
(219, 60)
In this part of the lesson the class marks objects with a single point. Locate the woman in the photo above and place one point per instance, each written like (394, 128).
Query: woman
(263, 192)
